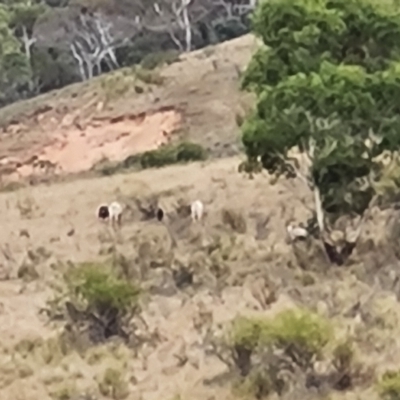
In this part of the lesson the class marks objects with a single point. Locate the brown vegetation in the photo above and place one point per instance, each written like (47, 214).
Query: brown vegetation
(166, 310)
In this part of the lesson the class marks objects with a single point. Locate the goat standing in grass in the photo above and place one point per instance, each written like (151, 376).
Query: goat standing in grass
(197, 210)
(112, 213)
(115, 213)
(103, 212)
(296, 232)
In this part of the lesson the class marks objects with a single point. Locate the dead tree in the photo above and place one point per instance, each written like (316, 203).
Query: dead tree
(91, 37)
(93, 43)
(176, 12)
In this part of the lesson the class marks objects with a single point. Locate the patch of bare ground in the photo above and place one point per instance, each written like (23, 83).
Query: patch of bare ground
(127, 112)
(186, 337)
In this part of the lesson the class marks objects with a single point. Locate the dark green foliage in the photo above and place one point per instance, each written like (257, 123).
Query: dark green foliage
(53, 71)
(167, 155)
(170, 154)
(263, 347)
(232, 29)
(100, 290)
(300, 333)
(144, 44)
(329, 79)
(389, 386)
(153, 60)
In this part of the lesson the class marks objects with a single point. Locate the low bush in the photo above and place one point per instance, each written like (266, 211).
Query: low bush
(154, 60)
(389, 386)
(99, 290)
(167, 155)
(263, 348)
(148, 76)
(113, 385)
(300, 334)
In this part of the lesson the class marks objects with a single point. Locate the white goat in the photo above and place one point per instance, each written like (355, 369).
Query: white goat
(296, 232)
(112, 213)
(115, 210)
(197, 210)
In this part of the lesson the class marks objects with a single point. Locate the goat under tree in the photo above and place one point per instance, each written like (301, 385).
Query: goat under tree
(337, 118)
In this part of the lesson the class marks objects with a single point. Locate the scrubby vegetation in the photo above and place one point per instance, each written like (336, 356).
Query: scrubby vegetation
(228, 307)
(99, 289)
(153, 60)
(172, 154)
(268, 352)
(389, 385)
(330, 90)
(169, 154)
(96, 296)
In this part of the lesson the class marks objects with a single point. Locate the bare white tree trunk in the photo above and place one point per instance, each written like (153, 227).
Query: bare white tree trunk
(79, 60)
(181, 18)
(188, 28)
(28, 42)
(170, 29)
(92, 44)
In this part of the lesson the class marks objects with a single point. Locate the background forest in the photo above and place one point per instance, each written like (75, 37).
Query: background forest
(47, 44)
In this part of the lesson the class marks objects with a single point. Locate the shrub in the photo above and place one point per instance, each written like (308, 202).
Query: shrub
(100, 290)
(264, 347)
(158, 158)
(113, 385)
(153, 60)
(300, 334)
(389, 386)
(187, 151)
(106, 167)
(117, 84)
(149, 77)
(234, 219)
(166, 155)
(170, 154)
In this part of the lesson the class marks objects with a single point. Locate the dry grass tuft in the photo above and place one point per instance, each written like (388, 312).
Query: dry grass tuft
(235, 220)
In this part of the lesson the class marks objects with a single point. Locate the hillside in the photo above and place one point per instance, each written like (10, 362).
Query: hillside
(195, 278)
(120, 114)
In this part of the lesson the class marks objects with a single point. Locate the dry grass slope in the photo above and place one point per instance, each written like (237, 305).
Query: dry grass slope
(195, 280)
(225, 309)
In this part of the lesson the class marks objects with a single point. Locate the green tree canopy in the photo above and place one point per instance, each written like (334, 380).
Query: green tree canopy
(328, 82)
(14, 67)
(24, 14)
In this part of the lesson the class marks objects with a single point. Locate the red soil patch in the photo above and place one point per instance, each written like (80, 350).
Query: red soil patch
(75, 148)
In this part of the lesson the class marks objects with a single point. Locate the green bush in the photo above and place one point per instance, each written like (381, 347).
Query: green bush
(158, 158)
(99, 289)
(264, 347)
(148, 76)
(113, 385)
(301, 334)
(166, 155)
(389, 386)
